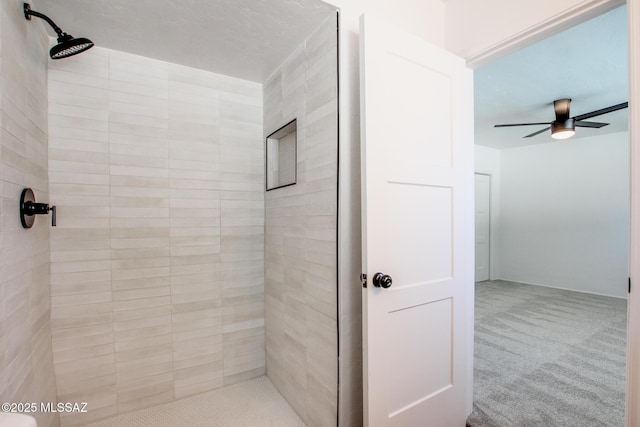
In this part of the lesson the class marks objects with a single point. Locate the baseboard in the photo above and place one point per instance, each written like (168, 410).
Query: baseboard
(560, 288)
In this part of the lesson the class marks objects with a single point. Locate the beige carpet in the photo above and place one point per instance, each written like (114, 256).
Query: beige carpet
(254, 403)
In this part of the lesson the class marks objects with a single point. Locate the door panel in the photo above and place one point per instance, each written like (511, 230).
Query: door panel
(430, 222)
(408, 133)
(406, 365)
(417, 215)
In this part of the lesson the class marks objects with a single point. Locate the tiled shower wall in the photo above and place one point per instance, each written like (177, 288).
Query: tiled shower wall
(300, 248)
(157, 261)
(26, 364)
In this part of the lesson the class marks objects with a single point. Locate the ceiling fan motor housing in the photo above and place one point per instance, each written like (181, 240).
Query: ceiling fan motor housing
(558, 125)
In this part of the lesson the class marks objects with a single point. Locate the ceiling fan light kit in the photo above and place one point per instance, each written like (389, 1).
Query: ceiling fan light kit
(563, 129)
(563, 126)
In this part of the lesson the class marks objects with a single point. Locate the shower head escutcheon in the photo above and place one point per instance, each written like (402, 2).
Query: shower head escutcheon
(67, 44)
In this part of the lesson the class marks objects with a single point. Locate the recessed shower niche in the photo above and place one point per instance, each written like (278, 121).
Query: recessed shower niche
(173, 270)
(281, 150)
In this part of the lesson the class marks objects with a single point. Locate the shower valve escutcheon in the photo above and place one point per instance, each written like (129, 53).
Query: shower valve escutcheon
(381, 280)
(29, 208)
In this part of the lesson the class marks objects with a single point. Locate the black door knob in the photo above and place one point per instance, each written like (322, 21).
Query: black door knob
(381, 280)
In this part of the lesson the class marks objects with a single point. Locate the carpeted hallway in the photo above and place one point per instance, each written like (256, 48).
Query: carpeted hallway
(547, 357)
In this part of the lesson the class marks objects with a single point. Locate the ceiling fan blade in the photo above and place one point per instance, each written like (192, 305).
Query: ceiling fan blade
(520, 124)
(561, 107)
(591, 124)
(537, 133)
(601, 111)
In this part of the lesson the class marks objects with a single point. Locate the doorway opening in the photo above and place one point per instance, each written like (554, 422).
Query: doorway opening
(550, 331)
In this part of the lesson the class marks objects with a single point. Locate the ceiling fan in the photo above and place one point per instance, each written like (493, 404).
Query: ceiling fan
(563, 126)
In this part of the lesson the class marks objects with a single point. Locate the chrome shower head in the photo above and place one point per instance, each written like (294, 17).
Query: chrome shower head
(67, 44)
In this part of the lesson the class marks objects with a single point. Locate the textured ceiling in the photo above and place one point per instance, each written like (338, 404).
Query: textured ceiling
(587, 63)
(247, 39)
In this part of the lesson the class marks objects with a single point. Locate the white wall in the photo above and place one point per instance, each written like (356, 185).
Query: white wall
(487, 161)
(475, 26)
(564, 213)
(422, 18)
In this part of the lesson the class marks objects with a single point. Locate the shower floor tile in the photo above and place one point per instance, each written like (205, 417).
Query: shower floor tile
(254, 403)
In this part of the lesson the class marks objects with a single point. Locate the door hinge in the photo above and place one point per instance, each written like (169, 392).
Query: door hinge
(629, 284)
(363, 280)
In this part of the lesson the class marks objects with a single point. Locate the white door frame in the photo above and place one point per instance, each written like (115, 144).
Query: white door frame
(571, 17)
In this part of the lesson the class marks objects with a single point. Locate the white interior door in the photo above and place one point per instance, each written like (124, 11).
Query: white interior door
(483, 225)
(417, 215)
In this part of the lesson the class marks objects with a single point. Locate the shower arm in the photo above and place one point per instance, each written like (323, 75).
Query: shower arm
(28, 13)
(67, 44)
